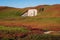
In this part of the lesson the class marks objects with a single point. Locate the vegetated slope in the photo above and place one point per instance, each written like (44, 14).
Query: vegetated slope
(48, 17)
(43, 11)
(49, 11)
(8, 12)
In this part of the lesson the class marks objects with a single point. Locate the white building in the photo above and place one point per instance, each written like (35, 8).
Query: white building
(30, 12)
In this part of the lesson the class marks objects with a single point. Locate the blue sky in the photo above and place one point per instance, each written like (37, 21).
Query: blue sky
(27, 3)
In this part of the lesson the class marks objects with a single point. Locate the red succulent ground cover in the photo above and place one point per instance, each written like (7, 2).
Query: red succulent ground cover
(19, 34)
(29, 25)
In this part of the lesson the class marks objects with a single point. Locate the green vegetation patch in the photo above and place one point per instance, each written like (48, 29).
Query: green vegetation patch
(17, 29)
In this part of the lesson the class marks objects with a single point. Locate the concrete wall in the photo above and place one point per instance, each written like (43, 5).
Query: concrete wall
(30, 12)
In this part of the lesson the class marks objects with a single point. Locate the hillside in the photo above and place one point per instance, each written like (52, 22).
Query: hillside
(48, 17)
(48, 11)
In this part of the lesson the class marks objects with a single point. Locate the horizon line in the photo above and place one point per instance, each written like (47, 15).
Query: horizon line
(29, 6)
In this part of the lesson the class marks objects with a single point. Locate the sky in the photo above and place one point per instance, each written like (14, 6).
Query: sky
(27, 3)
